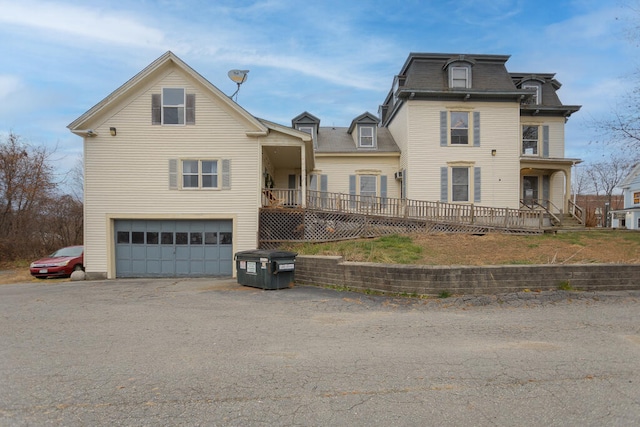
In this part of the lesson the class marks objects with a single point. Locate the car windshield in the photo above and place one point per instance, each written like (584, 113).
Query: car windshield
(71, 251)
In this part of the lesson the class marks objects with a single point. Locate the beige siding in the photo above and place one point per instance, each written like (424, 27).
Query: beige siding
(499, 130)
(556, 137)
(338, 169)
(398, 128)
(556, 133)
(127, 175)
(557, 190)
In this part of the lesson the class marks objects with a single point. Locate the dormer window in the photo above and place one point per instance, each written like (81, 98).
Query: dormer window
(459, 77)
(366, 136)
(535, 98)
(363, 131)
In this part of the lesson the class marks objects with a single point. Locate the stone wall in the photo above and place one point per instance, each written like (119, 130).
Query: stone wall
(469, 280)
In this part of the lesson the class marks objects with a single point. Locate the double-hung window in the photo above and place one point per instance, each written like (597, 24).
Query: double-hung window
(636, 198)
(530, 139)
(199, 174)
(460, 184)
(459, 77)
(365, 137)
(368, 188)
(459, 128)
(173, 106)
(535, 98)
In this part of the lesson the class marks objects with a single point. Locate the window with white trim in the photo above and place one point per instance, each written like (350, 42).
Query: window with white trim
(200, 174)
(535, 98)
(366, 136)
(368, 186)
(530, 140)
(460, 184)
(459, 130)
(459, 77)
(636, 198)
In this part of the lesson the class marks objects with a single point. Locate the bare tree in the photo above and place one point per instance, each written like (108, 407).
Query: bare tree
(26, 186)
(621, 130)
(606, 175)
(77, 179)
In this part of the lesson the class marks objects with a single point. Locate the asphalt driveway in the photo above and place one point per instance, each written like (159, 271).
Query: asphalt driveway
(210, 352)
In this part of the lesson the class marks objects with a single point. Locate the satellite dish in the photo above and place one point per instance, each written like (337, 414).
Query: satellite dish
(238, 76)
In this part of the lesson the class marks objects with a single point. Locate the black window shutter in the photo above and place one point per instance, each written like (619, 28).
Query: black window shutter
(156, 115)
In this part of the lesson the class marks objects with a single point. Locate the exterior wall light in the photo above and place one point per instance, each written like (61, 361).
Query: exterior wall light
(493, 152)
(112, 131)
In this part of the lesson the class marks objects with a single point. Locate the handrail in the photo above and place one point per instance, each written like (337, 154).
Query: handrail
(455, 213)
(572, 210)
(532, 203)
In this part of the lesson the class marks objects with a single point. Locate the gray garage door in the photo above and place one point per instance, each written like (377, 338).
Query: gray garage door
(159, 248)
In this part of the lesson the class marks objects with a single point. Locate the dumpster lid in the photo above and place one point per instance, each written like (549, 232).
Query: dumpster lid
(266, 253)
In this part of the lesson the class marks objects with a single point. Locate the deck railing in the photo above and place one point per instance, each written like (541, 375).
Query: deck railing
(405, 208)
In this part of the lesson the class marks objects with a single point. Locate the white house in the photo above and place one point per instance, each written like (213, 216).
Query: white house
(176, 172)
(629, 216)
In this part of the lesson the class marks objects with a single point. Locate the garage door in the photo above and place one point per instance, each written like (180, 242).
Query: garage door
(159, 248)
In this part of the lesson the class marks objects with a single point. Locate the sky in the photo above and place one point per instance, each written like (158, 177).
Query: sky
(335, 59)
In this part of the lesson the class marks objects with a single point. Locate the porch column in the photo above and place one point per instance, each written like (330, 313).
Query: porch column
(303, 175)
(567, 191)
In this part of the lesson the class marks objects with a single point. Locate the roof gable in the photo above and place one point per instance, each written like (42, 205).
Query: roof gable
(154, 71)
(305, 118)
(363, 119)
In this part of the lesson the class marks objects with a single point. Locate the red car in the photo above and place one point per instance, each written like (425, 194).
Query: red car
(61, 263)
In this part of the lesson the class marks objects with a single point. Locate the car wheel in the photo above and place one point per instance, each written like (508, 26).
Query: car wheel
(78, 267)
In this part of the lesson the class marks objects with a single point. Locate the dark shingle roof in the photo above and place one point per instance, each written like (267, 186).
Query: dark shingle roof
(338, 140)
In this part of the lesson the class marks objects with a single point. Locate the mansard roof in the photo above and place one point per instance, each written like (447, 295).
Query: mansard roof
(426, 76)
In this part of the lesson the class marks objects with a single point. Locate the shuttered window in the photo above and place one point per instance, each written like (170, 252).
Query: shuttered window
(458, 182)
(173, 107)
(200, 174)
(455, 128)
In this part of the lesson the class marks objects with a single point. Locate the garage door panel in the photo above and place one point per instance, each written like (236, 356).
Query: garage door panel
(173, 248)
(154, 267)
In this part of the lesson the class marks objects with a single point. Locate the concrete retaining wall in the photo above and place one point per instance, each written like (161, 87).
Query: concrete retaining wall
(469, 280)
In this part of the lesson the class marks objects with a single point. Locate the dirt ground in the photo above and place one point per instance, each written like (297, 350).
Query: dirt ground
(569, 248)
(16, 275)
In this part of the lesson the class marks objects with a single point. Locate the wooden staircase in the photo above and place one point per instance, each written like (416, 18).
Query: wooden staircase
(566, 223)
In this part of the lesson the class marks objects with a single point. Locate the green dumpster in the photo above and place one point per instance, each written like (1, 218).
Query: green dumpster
(266, 269)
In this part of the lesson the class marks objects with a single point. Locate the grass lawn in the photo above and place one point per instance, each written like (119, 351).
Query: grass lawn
(599, 246)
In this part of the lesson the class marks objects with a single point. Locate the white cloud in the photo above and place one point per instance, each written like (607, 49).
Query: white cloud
(8, 84)
(80, 22)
